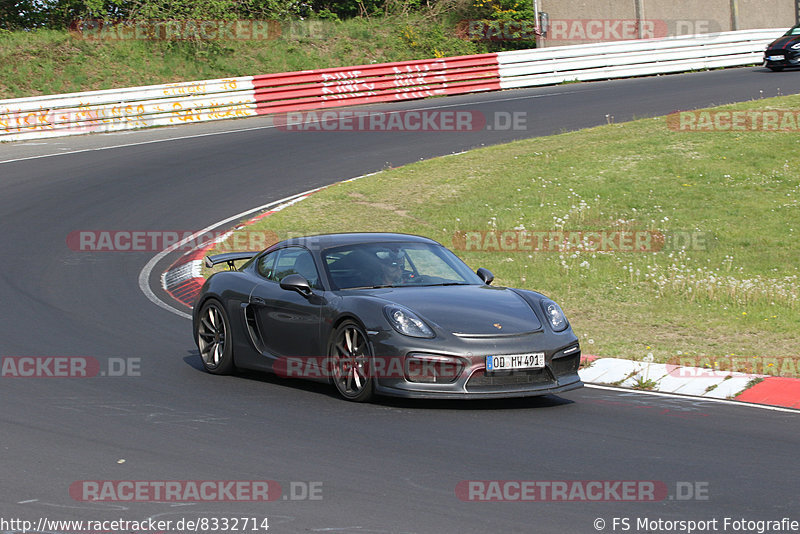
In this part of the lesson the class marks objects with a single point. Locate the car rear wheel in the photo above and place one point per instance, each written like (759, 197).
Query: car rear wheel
(213, 338)
(350, 357)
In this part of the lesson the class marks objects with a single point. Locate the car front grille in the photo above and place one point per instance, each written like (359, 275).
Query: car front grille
(786, 53)
(501, 381)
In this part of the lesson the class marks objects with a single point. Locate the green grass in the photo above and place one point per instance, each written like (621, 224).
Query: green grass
(738, 295)
(645, 384)
(49, 61)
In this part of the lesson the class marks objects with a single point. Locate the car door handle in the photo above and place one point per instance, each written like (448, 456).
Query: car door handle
(258, 301)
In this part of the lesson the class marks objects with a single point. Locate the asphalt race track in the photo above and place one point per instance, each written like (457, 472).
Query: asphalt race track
(392, 466)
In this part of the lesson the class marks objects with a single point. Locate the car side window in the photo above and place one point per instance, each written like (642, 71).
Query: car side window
(296, 260)
(266, 265)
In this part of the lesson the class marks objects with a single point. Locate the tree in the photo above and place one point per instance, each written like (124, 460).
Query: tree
(19, 15)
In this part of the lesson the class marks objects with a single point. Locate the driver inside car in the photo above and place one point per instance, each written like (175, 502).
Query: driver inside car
(391, 268)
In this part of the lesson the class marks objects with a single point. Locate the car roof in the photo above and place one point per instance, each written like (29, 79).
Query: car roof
(323, 241)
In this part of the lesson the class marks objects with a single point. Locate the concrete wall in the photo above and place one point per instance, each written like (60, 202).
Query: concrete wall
(587, 21)
(755, 14)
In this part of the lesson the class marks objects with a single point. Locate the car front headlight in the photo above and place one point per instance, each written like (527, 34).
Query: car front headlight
(554, 315)
(407, 322)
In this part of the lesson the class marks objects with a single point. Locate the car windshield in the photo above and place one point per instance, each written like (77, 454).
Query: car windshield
(794, 31)
(372, 265)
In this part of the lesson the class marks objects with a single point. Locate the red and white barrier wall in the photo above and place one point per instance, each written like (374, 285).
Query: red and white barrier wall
(188, 102)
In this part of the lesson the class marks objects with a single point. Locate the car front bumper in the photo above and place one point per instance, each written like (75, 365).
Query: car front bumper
(781, 58)
(559, 374)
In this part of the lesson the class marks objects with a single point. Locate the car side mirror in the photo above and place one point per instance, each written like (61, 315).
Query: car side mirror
(485, 275)
(295, 282)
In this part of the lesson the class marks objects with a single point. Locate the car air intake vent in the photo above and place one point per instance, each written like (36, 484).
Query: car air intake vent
(483, 382)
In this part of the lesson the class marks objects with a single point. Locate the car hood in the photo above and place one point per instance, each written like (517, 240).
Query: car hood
(784, 42)
(468, 310)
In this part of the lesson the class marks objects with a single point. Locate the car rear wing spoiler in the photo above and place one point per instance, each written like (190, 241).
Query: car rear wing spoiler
(229, 258)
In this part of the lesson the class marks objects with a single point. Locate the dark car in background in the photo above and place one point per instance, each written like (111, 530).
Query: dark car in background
(382, 313)
(785, 51)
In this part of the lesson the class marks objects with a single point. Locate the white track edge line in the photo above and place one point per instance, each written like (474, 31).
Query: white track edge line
(692, 397)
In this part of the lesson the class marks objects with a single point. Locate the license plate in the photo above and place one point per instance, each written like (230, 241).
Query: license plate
(509, 362)
(779, 57)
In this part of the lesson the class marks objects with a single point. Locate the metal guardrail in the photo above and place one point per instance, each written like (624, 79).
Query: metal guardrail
(187, 102)
(181, 103)
(125, 109)
(600, 61)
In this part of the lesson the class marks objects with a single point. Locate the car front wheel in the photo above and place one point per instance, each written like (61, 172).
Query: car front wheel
(350, 358)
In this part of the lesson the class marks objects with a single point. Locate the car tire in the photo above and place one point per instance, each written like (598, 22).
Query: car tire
(213, 338)
(350, 358)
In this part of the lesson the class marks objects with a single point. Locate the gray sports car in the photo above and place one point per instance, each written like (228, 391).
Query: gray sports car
(382, 313)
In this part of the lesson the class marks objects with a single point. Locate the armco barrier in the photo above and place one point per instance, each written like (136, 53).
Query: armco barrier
(180, 103)
(601, 61)
(187, 102)
(125, 109)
